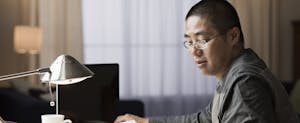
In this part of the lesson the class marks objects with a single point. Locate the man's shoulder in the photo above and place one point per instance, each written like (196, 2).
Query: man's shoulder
(244, 72)
(247, 63)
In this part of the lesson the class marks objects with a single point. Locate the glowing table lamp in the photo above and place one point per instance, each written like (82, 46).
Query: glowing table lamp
(27, 39)
(63, 71)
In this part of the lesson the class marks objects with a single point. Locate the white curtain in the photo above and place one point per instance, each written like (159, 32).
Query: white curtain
(145, 37)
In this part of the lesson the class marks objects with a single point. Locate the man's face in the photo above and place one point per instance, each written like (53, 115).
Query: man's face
(216, 56)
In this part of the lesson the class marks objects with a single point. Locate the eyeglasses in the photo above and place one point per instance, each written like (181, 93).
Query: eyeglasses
(199, 44)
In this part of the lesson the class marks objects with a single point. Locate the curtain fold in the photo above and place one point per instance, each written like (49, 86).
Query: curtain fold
(61, 22)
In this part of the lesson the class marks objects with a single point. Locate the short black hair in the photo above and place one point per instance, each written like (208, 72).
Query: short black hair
(220, 13)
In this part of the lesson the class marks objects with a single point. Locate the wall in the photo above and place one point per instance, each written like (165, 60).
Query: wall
(9, 16)
(289, 11)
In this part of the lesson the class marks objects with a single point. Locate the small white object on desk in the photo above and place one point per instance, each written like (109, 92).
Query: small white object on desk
(129, 121)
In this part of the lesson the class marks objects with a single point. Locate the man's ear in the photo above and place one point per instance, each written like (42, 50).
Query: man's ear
(233, 35)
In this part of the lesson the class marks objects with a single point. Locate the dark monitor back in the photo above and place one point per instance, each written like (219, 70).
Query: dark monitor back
(94, 99)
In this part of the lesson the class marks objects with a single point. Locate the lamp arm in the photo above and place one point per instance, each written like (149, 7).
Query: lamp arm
(23, 74)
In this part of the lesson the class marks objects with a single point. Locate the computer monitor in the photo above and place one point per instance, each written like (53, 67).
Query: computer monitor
(94, 99)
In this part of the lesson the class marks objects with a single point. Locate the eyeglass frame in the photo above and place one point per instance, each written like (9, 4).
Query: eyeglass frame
(198, 44)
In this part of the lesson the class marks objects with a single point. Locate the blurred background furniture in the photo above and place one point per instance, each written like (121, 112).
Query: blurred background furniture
(21, 108)
(134, 106)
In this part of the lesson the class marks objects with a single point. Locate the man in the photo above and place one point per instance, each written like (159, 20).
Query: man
(246, 92)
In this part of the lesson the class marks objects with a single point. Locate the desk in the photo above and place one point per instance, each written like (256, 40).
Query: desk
(94, 122)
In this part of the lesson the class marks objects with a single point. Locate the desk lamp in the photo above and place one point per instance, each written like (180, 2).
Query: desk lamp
(63, 71)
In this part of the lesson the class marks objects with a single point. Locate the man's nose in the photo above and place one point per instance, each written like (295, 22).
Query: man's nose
(196, 51)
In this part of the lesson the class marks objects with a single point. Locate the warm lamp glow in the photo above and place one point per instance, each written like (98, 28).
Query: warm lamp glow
(27, 39)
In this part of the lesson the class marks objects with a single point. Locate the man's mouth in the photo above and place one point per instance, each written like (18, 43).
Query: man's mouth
(200, 62)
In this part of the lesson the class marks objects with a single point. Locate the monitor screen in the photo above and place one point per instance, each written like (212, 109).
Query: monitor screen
(94, 99)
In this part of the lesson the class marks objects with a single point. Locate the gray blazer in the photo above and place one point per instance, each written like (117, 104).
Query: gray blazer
(250, 94)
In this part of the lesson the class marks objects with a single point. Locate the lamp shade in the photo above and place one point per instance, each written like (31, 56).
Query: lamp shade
(64, 70)
(67, 70)
(27, 39)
